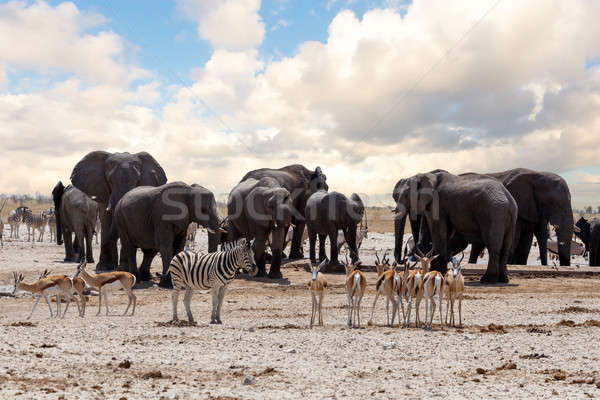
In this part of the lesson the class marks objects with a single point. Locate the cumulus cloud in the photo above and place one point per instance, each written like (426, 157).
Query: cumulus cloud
(230, 24)
(54, 39)
(387, 95)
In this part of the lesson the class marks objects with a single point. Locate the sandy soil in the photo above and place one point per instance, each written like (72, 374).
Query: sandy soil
(531, 351)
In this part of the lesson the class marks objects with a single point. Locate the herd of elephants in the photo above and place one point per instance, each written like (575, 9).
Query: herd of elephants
(498, 211)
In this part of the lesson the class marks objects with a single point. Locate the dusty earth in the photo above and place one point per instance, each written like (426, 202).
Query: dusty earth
(531, 338)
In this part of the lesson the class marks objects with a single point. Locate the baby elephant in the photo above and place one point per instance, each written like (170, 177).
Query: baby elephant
(328, 212)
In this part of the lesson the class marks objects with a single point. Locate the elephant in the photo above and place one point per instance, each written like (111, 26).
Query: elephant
(256, 209)
(156, 218)
(459, 210)
(106, 177)
(589, 233)
(75, 213)
(301, 183)
(328, 212)
(542, 198)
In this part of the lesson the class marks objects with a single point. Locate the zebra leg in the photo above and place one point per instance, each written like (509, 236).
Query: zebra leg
(187, 298)
(174, 299)
(221, 297)
(215, 304)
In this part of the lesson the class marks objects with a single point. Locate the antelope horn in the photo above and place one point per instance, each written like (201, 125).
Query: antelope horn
(377, 257)
(461, 257)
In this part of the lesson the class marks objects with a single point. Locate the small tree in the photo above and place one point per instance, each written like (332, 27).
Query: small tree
(588, 209)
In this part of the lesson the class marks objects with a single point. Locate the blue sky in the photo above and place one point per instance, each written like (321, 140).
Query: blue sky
(372, 89)
(164, 41)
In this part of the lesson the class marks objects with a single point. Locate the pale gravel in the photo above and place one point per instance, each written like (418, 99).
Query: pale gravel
(263, 321)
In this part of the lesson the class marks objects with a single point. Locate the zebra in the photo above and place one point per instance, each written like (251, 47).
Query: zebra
(34, 222)
(15, 217)
(51, 219)
(190, 270)
(2, 224)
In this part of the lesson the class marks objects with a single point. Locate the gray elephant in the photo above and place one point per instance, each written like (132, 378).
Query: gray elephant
(460, 210)
(589, 233)
(328, 212)
(75, 213)
(256, 209)
(301, 183)
(106, 177)
(156, 219)
(542, 198)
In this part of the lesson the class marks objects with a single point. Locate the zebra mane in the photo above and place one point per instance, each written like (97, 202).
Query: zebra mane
(226, 246)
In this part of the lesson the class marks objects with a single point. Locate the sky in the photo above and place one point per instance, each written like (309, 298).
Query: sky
(370, 90)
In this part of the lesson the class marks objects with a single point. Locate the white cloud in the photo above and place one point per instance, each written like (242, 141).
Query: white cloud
(515, 92)
(230, 24)
(54, 39)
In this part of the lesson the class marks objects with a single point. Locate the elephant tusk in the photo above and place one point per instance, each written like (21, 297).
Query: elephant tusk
(212, 232)
(293, 226)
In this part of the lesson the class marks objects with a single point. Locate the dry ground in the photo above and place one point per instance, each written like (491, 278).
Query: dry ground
(534, 353)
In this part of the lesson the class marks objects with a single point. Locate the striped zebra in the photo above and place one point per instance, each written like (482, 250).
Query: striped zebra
(190, 270)
(35, 221)
(51, 216)
(2, 224)
(15, 217)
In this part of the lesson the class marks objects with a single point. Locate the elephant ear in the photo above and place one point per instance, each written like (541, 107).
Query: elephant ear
(522, 190)
(152, 173)
(426, 184)
(89, 176)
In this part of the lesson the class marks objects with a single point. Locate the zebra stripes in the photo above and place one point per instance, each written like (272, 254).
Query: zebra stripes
(35, 222)
(190, 271)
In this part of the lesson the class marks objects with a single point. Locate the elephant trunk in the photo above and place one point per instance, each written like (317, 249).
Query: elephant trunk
(399, 225)
(57, 196)
(564, 235)
(114, 198)
(59, 238)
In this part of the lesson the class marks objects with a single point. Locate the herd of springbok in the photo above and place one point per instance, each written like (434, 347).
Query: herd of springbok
(398, 283)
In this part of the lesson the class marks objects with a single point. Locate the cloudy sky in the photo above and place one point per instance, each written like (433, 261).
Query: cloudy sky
(370, 90)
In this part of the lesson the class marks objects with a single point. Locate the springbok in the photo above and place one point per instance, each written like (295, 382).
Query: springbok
(42, 288)
(454, 286)
(317, 286)
(109, 280)
(356, 284)
(389, 283)
(77, 287)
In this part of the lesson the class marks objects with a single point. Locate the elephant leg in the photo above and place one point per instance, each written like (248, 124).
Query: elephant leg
(89, 254)
(123, 258)
(333, 261)
(166, 240)
(322, 254)
(144, 271)
(541, 234)
(296, 251)
(505, 254)
(523, 245)
(493, 241)
(440, 238)
(276, 248)
(476, 249)
(69, 256)
(594, 247)
(108, 248)
(350, 236)
(259, 253)
(131, 252)
(312, 241)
